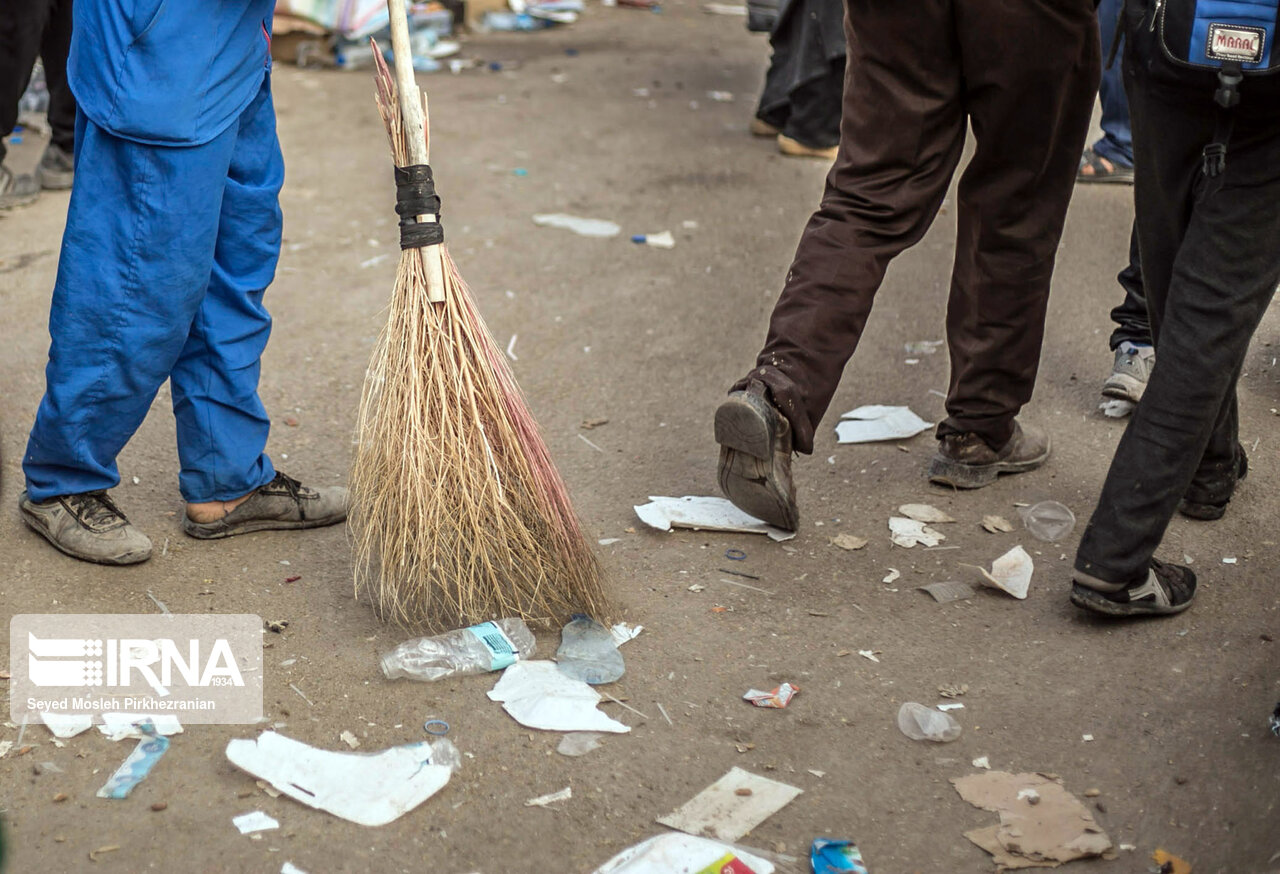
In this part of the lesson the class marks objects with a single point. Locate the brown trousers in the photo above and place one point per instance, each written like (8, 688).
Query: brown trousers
(1024, 74)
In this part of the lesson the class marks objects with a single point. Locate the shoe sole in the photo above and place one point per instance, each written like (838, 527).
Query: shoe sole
(55, 181)
(944, 471)
(36, 524)
(14, 201)
(212, 531)
(743, 426)
(1096, 602)
(1123, 387)
(753, 495)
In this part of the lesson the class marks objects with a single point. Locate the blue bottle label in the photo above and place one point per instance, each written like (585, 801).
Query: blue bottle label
(502, 651)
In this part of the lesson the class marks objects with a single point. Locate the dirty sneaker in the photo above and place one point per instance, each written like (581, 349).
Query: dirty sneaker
(1207, 500)
(87, 526)
(17, 190)
(1129, 372)
(282, 504)
(56, 169)
(1168, 589)
(965, 461)
(755, 457)
(795, 149)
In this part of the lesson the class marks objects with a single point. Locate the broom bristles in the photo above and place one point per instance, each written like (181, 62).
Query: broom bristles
(458, 513)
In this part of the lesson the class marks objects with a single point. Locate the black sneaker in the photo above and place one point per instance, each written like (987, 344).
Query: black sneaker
(87, 526)
(56, 169)
(755, 457)
(282, 504)
(1168, 589)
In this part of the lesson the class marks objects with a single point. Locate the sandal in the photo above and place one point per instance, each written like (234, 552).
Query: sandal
(1102, 170)
(1168, 589)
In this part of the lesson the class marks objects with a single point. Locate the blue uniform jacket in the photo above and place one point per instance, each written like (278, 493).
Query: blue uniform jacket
(168, 72)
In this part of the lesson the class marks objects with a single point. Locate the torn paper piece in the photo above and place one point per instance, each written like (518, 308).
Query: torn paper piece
(924, 513)
(135, 768)
(1011, 573)
(946, 592)
(892, 576)
(65, 725)
(585, 227)
(538, 695)
(777, 699)
(364, 788)
(724, 812)
(908, 533)
(684, 854)
(983, 762)
(118, 726)
(996, 524)
(290, 868)
(870, 655)
(257, 821)
(871, 424)
(848, 541)
(349, 739)
(711, 514)
(922, 347)
(5, 746)
(543, 800)
(622, 632)
(1058, 828)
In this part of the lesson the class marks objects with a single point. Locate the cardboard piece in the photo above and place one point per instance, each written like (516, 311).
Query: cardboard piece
(720, 812)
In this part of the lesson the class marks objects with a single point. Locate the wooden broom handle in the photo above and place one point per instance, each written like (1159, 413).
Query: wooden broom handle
(413, 113)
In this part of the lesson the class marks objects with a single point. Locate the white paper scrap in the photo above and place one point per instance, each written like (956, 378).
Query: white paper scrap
(543, 800)
(538, 695)
(711, 514)
(364, 788)
(622, 632)
(1011, 573)
(584, 226)
(66, 725)
(257, 821)
(871, 424)
(720, 812)
(683, 854)
(119, 726)
(908, 533)
(290, 868)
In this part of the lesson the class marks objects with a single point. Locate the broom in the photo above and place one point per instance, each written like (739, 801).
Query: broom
(458, 514)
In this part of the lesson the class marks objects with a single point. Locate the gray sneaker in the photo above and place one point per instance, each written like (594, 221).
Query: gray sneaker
(56, 169)
(1129, 373)
(17, 190)
(282, 504)
(87, 526)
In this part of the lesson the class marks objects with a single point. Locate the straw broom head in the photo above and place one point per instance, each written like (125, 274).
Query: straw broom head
(458, 513)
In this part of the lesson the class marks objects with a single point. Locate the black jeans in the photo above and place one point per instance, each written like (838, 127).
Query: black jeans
(1132, 322)
(1210, 263)
(31, 28)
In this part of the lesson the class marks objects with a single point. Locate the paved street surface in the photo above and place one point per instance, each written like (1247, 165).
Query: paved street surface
(650, 339)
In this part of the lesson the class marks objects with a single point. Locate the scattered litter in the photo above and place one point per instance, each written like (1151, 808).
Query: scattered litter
(134, 769)
(684, 854)
(982, 762)
(65, 725)
(946, 592)
(777, 699)
(622, 632)
(1010, 573)
(954, 705)
(590, 424)
(924, 723)
(663, 240)
(349, 739)
(848, 541)
(626, 705)
(697, 587)
(873, 423)
(735, 555)
(543, 800)
(997, 524)
(1171, 864)
(159, 604)
(583, 226)
(290, 868)
(892, 576)
(1086, 737)
(365, 788)
(829, 856)
(924, 513)
(120, 726)
(1029, 795)
(922, 347)
(1231, 560)
(511, 347)
(579, 743)
(276, 625)
(724, 8)
(538, 695)
(478, 649)
(817, 773)
(1049, 520)
(257, 821)
(1116, 408)
(436, 727)
(5, 746)
(310, 703)
(908, 533)
(588, 652)
(725, 570)
(609, 541)
(721, 96)
(1057, 829)
(951, 690)
(712, 514)
(1274, 722)
(869, 654)
(109, 848)
(719, 812)
(583, 437)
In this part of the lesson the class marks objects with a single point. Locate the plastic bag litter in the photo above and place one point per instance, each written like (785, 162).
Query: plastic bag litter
(1049, 520)
(589, 652)
(538, 695)
(924, 723)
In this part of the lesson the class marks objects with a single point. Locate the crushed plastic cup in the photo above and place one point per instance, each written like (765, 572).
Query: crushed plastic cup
(1049, 520)
(588, 652)
(924, 723)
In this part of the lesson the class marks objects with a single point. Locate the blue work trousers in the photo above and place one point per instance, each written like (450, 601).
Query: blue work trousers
(165, 258)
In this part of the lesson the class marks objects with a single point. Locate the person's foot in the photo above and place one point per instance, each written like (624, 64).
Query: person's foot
(797, 149)
(761, 128)
(1207, 500)
(56, 169)
(1168, 589)
(966, 461)
(1129, 372)
(87, 526)
(1095, 168)
(282, 504)
(755, 457)
(17, 190)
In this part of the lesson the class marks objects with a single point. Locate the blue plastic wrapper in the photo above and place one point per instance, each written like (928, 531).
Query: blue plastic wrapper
(831, 857)
(139, 763)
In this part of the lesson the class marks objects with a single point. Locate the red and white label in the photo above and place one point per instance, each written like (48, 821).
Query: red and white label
(1235, 43)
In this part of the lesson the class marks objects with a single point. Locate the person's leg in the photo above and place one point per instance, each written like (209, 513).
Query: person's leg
(774, 105)
(21, 24)
(1030, 74)
(56, 169)
(1131, 340)
(1116, 144)
(814, 121)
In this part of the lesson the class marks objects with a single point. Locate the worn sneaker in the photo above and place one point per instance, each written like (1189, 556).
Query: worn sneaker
(755, 457)
(965, 461)
(282, 504)
(796, 149)
(761, 128)
(87, 526)
(1168, 589)
(1129, 373)
(1207, 499)
(56, 169)
(17, 190)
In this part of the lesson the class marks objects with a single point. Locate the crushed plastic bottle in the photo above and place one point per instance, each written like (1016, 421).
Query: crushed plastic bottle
(1049, 520)
(490, 646)
(588, 652)
(924, 723)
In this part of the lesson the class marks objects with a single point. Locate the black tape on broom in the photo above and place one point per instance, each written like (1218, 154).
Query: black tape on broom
(415, 196)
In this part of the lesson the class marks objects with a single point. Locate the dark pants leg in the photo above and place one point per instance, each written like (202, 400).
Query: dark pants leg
(1132, 322)
(1210, 268)
(22, 25)
(814, 119)
(53, 51)
(917, 74)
